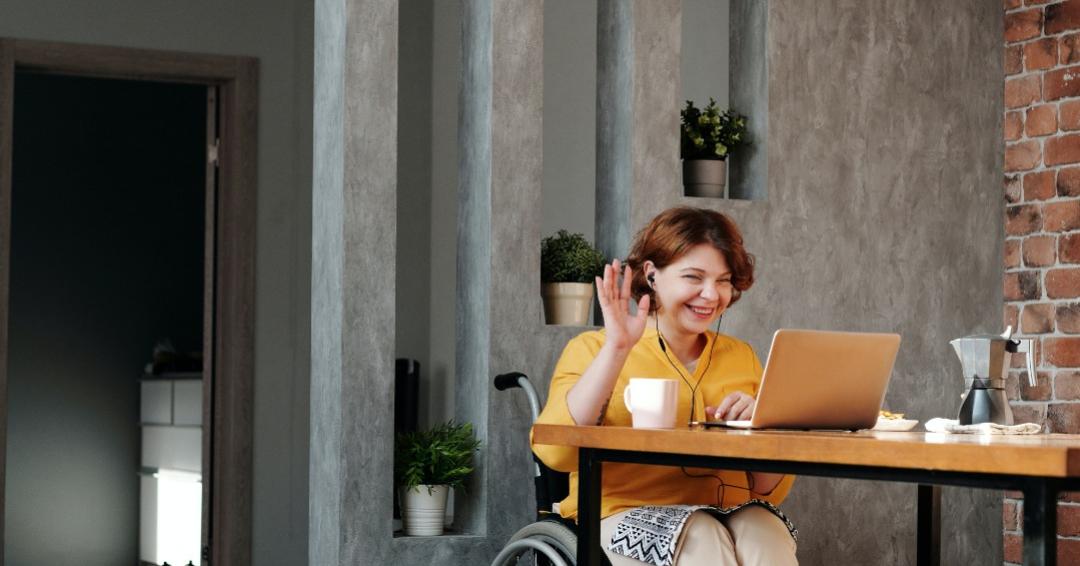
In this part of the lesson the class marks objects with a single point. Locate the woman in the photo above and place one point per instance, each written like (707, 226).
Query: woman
(685, 269)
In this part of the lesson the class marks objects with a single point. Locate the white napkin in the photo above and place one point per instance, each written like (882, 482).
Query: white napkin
(953, 426)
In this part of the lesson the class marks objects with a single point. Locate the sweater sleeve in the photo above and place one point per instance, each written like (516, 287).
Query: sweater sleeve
(575, 359)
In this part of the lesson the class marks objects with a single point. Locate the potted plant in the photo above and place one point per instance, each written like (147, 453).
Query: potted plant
(568, 264)
(707, 138)
(427, 465)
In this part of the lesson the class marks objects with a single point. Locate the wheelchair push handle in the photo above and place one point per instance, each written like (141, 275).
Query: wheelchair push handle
(513, 379)
(505, 381)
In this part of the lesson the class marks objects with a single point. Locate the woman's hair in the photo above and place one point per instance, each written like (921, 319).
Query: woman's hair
(673, 232)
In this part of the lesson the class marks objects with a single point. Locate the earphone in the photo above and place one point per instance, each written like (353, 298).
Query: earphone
(722, 486)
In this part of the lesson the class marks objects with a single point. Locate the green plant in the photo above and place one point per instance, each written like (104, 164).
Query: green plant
(709, 133)
(441, 455)
(569, 258)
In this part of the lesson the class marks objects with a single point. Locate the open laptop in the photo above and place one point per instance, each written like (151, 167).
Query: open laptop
(822, 380)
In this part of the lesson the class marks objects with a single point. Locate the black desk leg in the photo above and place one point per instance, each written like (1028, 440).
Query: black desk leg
(1040, 523)
(588, 546)
(928, 534)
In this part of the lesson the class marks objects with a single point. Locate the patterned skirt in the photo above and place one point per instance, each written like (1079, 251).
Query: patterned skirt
(651, 533)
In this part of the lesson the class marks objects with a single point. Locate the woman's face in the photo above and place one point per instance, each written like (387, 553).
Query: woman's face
(693, 290)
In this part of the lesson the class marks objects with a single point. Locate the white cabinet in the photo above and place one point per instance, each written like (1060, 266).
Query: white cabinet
(170, 478)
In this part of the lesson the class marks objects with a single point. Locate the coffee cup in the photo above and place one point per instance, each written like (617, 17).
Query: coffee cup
(652, 402)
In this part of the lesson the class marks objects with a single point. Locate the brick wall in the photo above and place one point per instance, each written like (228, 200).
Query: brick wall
(1042, 231)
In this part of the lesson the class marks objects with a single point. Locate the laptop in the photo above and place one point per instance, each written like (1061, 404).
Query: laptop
(822, 380)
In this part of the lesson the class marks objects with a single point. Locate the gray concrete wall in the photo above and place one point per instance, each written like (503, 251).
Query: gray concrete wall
(279, 33)
(884, 212)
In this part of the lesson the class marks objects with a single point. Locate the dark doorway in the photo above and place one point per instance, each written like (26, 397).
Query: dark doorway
(107, 258)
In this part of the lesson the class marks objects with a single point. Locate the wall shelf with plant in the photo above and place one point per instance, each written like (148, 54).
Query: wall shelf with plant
(568, 265)
(708, 136)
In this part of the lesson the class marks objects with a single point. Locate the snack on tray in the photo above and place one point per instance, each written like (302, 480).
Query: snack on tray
(883, 414)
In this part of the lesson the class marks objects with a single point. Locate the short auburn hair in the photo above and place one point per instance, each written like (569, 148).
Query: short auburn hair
(673, 232)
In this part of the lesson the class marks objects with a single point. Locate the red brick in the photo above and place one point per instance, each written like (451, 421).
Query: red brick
(1012, 4)
(1070, 115)
(1013, 192)
(1040, 251)
(1014, 59)
(1041, 54)
(1023, 25)
(1010, 316)
(1062, 352)
(1041, 120)
(1068, 49)
(1022, 286)
(1022, 91)
(1068, 517)
(1039, 186)
(1059, 83)
(1036, 2)
(1037, 319)
(1062, 17)
(1022, 156)
(1012, 189)
(1012, 254)
(1014, 125)
(1042, 389)
(1014, 548)
(1068, 182)
(1068, 551)
(1022, 219)
(1029, 413)
(1063, 417)
(1068, 318)
(1062, 149)
(1069, 248)
(1061, 216)
(1070, 496)
(1063, 283)
(1067, 385)
(1008, 515)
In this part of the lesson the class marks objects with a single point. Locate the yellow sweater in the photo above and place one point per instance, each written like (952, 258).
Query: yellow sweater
(734, 367)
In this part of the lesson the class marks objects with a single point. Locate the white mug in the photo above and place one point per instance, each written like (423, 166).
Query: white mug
(653, 403)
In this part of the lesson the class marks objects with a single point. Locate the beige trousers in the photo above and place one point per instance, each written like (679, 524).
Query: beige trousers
(752, 536)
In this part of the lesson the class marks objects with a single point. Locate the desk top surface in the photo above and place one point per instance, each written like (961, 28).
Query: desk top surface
(1046, 455)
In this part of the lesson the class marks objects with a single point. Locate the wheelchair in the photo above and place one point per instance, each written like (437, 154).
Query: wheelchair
(551, 540)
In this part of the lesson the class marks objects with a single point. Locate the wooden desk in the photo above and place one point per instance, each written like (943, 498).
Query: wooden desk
(1040, 466)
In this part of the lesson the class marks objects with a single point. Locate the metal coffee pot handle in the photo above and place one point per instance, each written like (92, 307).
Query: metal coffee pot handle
(1026, 345)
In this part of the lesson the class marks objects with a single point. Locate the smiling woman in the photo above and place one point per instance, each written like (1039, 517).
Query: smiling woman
(685, 269)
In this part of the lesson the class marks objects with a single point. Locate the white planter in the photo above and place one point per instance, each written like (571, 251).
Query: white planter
(567, 303)
(423, 510)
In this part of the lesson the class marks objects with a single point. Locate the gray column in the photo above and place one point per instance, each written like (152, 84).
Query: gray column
(657, 171)
(749, 94)
(614, 125)
(353, 257)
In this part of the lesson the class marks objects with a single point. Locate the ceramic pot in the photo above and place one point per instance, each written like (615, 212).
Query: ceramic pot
(704, 177)
(567, 303)
(423, 510)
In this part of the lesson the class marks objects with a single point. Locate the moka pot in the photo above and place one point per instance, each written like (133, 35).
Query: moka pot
(985, 364)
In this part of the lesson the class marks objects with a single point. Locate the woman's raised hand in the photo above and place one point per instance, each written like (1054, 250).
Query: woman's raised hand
(623, 329)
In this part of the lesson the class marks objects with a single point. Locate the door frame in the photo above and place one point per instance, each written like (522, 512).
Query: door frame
(228, 388)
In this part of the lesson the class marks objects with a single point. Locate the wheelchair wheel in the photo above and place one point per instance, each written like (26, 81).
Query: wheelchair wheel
(544, 539)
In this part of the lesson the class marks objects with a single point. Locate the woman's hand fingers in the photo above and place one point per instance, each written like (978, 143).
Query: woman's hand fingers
(744, 408)
(735, 407)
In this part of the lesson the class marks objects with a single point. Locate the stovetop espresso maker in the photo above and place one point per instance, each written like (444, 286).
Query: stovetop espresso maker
(986, 365)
